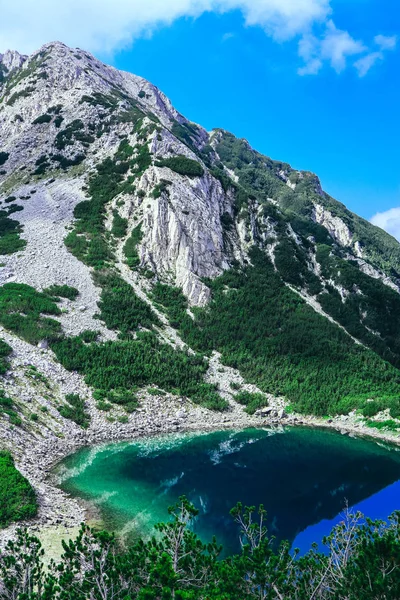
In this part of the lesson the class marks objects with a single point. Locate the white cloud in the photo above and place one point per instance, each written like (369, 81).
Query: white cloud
(334, 47)
(385, 42)
(313, 66)
(364, 64)
(389, 221)
(337, 45)
(228, 36)
(108, 25)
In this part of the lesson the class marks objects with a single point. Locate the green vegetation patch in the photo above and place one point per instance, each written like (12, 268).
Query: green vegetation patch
(128, 364)
(17, 95)
(117, 369)
(379, 305)
(120, 307)
(74, 131)
(65, 291)
(17, 497)
(5, 351)
(42, 119)
(388, 425)
(75, 410)
(130, 247)
(161, 188)
(120, 396)
(22, 309)
(182, 165)
(87, 241)
(3, 158)
(119, 225)
(7, 408)
(99, 99)
(282, 345)
(10, 230)
(252, 401)
(186, 133)
(173, 300)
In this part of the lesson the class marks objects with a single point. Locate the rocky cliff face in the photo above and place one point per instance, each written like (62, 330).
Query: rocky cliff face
(182, 233)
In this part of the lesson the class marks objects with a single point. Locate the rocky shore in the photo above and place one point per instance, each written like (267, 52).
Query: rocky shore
(60, 515)
(38, 384)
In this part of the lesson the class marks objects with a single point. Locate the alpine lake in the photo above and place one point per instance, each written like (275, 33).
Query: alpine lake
(303, 477)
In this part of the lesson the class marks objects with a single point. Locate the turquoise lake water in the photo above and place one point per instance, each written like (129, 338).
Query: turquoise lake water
(304, 477)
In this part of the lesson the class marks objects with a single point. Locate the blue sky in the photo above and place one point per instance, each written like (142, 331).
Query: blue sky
(311, 82)
(343, 127)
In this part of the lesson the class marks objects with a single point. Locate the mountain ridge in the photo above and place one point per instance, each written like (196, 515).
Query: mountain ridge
(174, 237)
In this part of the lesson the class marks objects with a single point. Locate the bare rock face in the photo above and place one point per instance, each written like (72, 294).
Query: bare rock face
(336, 227)
(12, 59)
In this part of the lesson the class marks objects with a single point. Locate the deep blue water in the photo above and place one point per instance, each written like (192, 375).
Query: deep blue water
(304, 477)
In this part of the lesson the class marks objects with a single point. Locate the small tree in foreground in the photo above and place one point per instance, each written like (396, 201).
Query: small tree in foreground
(361, 561)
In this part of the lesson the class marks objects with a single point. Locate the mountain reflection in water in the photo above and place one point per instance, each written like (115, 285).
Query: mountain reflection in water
(302, 476)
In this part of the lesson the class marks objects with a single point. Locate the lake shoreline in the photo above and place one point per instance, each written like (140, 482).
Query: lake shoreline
(60, 514)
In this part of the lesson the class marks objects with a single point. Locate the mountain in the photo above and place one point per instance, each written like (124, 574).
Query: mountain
(140, 250)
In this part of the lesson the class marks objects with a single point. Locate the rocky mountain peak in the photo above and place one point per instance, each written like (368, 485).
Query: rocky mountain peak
(12, 59)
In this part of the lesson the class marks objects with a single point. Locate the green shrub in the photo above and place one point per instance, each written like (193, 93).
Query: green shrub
(98, 99)
(186, 133)
(139, 362)
(86, 241)
(3, 157)
(75, 410)
(89, 336)
(252, 401)
(21, 310)
(160, 188)
(7, 408)
(227, 221)
(182, 165)
(130, 247)
(5, 351)
(173, 300)
(65, 291)
(58, 120)
(123, 397)
(119, 225)
(17, 95)
(10, 229)
(65, 162)
(104, 406)
(42, 119)
(389, 424)
(142, 161)
(372, 408)
(72, 132)
(17, 497)
(120, 307)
